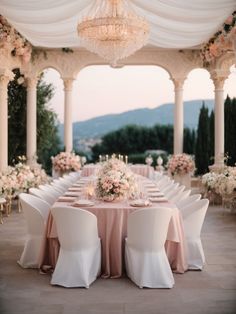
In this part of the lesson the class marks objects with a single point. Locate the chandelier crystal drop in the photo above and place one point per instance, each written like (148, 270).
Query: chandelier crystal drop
(113, 30)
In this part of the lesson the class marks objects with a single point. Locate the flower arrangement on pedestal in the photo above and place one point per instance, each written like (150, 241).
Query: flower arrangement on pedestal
(181, 164)
(115, 181)
(222, 183)
(66, 162)
(20, 178)
(13, 41)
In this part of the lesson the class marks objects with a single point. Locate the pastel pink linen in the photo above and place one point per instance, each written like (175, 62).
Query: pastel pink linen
(89, 170)
(143, 170)
(112, 229)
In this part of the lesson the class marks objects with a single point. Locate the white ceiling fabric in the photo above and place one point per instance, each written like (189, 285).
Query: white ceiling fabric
(174, 23)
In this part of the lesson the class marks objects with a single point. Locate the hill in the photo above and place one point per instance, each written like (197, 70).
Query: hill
(164, 114)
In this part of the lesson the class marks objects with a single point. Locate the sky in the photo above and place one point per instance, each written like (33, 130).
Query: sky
(100, 90)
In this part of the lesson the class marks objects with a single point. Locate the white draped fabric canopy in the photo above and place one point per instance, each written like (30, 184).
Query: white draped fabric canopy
(174, 23)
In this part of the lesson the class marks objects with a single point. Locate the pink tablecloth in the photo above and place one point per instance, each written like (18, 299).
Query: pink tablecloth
(143, 170)
(89, 170)
(112, 228)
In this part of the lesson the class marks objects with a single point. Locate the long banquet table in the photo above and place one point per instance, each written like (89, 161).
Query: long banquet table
(112, 229)
(140, 169)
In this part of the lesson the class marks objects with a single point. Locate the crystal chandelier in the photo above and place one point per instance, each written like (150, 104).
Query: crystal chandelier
(112, 30)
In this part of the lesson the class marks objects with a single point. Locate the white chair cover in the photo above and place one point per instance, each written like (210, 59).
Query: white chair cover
(193, 218)
(173, 192)
(146, 261)
(58, 186)
(46, 196)
(169, 187)
(36, 212)
(50, 190)
(79, 260)
(190, 199)
(180, 195)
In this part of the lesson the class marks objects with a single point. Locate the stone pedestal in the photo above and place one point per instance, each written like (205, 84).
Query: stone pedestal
(184, 179)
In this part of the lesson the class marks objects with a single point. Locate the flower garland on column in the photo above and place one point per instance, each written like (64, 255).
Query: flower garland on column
(13, 41)
(220, 41)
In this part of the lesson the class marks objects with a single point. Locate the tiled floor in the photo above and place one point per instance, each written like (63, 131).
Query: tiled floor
(212, 291)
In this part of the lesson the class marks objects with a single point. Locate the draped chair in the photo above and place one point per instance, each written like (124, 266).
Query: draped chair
(36, 212)
(193, 218)
(79, 260)
(146, 262)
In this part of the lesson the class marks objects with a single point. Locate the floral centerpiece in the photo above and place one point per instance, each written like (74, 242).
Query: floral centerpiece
(115, 181)
(181, 164)
(66, 162)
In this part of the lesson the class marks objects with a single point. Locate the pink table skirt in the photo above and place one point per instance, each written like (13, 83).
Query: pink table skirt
(112, 229)
(143, 170)
(89, 170)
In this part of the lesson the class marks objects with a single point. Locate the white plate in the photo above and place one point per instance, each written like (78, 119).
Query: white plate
(140, 203)
(157, 194)
(158, 199)
(71, 193)
(83, 203)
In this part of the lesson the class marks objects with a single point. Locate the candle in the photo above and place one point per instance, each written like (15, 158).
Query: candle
(126, 159)
(119, 156)
(122, 157)
(100, 158)
(106, 157)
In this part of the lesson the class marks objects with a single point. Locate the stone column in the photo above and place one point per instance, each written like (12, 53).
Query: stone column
(5, 77)
(68, 131)
(219, 81)
(31, 128)
(178, 116)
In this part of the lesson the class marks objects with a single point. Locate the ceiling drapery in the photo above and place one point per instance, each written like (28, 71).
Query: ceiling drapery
(174, 23)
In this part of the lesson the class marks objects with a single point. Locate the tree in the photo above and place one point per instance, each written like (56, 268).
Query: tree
(189, 141)
(212, 137)
(203, 141)
(47, 136)
(16, 119)
(230, 130)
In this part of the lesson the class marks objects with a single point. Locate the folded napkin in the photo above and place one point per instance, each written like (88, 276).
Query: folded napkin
(83, 203)
(158, 199)
(66, 199)
(157, 194)
(75, 189)
(71, 193)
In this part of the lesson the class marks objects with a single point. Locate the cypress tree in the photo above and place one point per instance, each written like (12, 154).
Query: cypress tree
(212, 137)
(189, 141)
(202, 143)
(230, 130)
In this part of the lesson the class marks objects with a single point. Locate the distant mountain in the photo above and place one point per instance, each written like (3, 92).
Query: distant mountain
(164, 114)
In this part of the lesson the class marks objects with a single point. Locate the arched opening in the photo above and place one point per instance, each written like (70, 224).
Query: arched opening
(130, 94)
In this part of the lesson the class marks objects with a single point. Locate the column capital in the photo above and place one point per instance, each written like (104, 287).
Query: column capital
(6, 75)
(178, 82)
(68, 83)
(218, 77)
(31, 82)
